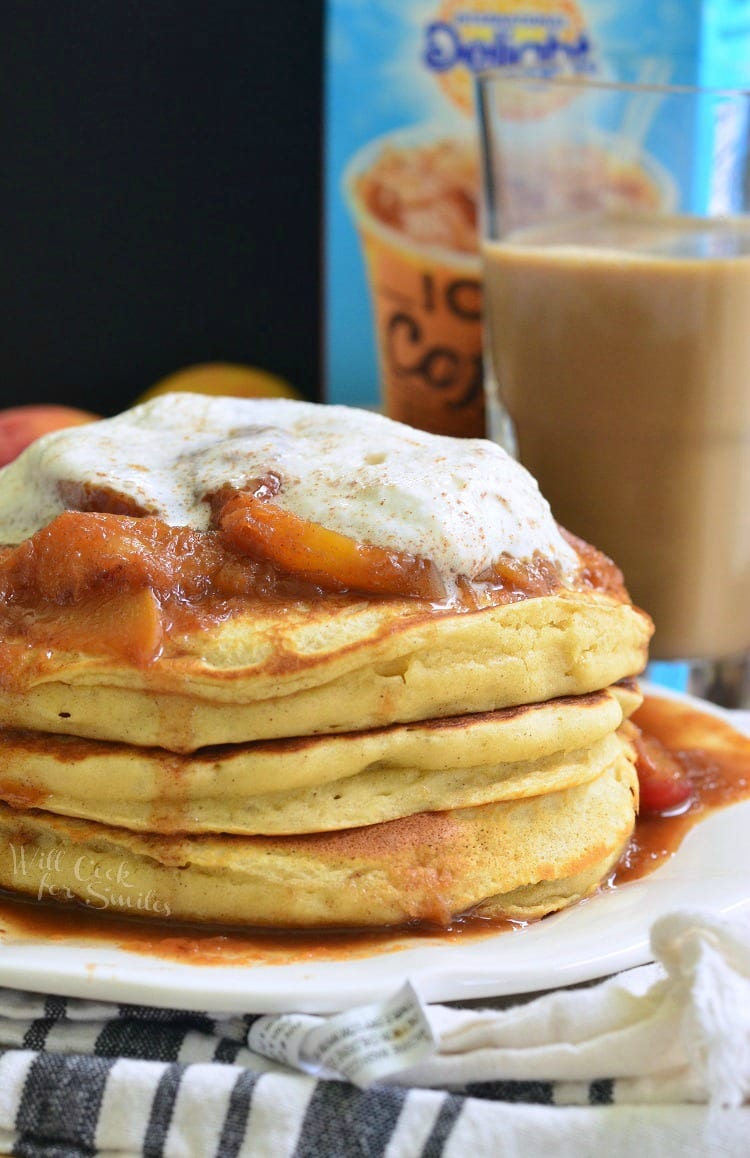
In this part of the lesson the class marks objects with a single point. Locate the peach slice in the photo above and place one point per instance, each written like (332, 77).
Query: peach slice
(252, 523)
(127, 625)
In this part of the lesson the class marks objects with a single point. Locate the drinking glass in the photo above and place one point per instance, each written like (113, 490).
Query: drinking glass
(616, 265)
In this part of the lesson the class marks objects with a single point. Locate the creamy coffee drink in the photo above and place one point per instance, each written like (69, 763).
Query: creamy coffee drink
(621, 344)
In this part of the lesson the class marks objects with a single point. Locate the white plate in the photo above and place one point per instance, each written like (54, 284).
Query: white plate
(601, 936)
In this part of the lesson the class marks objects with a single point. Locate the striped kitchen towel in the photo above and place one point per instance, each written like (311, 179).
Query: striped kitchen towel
(654, 1061)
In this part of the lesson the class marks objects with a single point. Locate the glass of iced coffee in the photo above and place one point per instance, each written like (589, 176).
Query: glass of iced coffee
(616, 264)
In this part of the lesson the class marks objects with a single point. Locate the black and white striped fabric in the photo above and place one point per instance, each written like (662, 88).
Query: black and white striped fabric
(654, 1062)
(157, 1082)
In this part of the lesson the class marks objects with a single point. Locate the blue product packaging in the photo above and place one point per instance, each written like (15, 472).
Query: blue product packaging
(402, 286)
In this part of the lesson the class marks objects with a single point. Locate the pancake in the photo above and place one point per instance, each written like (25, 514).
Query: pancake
(202, 571)
(284, 665)
(317, 783)
(518, 858)
(340, 664)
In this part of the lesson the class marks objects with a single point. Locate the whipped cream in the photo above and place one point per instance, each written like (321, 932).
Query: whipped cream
(461, 503)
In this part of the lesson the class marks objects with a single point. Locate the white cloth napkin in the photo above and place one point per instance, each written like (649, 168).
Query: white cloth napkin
(654, 1061)
(675, 1031)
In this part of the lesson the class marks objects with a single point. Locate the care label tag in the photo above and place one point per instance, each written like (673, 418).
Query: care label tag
(361, 1045)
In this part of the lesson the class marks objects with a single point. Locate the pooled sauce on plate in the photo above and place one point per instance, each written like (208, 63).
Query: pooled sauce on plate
(715, 758)
(716, 762)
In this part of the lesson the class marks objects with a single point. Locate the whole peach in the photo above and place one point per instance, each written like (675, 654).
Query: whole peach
(21, 425)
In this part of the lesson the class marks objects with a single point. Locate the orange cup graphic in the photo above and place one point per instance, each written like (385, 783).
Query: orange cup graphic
(413, 196)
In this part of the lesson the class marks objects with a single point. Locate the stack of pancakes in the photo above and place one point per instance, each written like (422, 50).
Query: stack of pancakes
(335, 761)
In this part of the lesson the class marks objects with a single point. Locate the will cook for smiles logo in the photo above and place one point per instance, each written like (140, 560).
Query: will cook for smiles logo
(61, 873)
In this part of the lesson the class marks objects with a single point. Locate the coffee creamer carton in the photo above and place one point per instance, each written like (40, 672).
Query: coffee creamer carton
(402, 272)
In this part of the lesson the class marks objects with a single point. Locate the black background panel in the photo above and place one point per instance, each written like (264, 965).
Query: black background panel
(160, 194)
